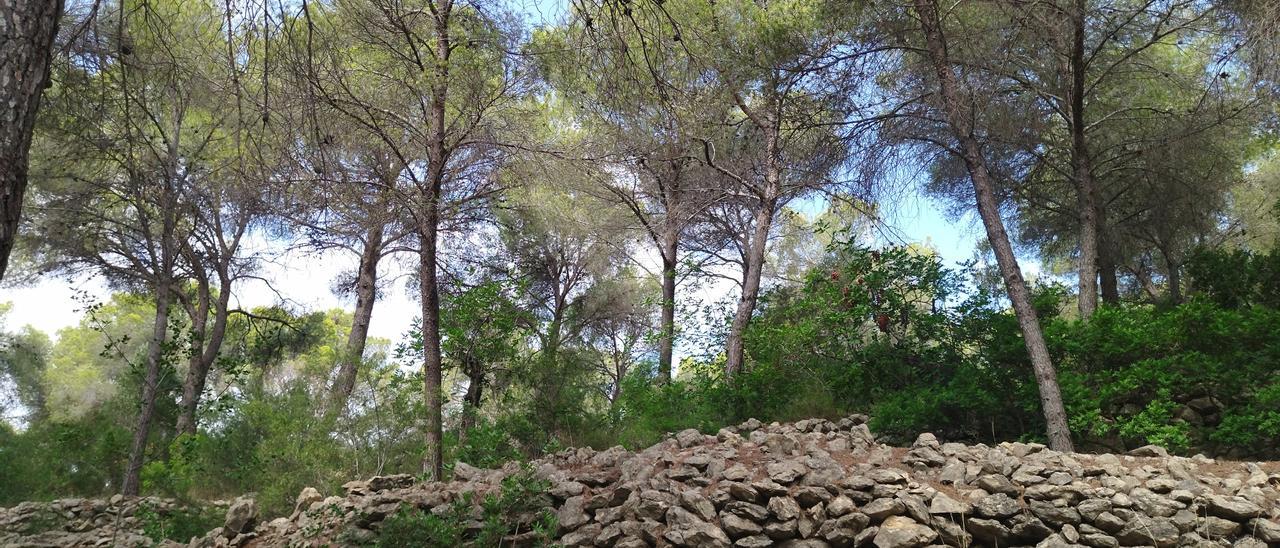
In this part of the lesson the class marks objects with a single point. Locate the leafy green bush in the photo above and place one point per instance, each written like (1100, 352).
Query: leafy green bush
(952, 361)
(1234, 278)
(179, 524)
(520, 506)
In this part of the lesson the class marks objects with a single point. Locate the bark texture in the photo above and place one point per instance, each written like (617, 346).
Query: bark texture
(27, 30)
(667, 323)
(207, 344)
(366, 294)
(1082, 170)
(959, 118)
(753, 262)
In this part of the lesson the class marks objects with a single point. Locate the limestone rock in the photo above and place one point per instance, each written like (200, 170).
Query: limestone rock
(903, 532)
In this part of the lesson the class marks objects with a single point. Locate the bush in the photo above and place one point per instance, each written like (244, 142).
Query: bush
(178, 525)
(521, 506)
(958, 367)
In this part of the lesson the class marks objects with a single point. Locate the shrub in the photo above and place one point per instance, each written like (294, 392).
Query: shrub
(520, 506)
(180, 524)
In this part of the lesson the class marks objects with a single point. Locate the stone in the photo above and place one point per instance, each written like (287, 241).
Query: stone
(809, 495)
(1150, 451)
(1234, 508)
(1264, 529)
(843, 531)
(737, 526)
(1216, 527)
(395, 481)
(737, 472)
(685, 529)
(689, 437)
(571, 515)
(887, 476)
(786, 472)
(698, 504)
(564, 489)
(583, 536)
(1145, 531)
(465, 472)
(754, 541)
(1060, 478)
(942, 504)
(1054, 515)
(839, 506)
(769, 488)
(241, 517)
(997, 506)
(780, 530)
(1029, 528)
(993, 483)
(903, 532)
(784, 508)
(880, 509)
(306, 498)
(1090, 509)
(1152, 504)
(805, 543)
(1099, 540)
(1070, 534)
(926, 440)
(952, 473)
(744, 492)
(950, 532)
(753, 512)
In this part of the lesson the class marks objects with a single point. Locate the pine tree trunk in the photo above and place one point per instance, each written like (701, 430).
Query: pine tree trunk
(471, 401)
(667, 326)
(27, 30)
(753, 264)
(960, 122)
(428, 216)
(1082, 173)
(150, 386)
(734, 346)
(366, 294)
(1107, 270)
(433, 464)
(1175, 282)
(202, 364)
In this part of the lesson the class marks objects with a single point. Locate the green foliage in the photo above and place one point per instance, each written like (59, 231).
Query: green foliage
(180, 524)
(520, 506)
(960, 369)
(414, 527)
(1235, 278)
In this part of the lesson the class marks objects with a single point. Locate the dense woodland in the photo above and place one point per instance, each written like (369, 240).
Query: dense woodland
(565, 190)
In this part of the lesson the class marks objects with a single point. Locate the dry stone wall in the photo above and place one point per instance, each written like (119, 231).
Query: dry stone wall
(118, 521)
(818, 483)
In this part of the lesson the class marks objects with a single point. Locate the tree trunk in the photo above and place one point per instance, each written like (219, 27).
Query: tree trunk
(150, 385)
(960, 121)
(28, 28)
(366, 294)
(1175, 281)
(428, 232)
(199, 316)
(1107, 269)
(667, 326)
(471, 401)
(198, 373)
(754, 266)
(433, 464)
(1082, 172)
